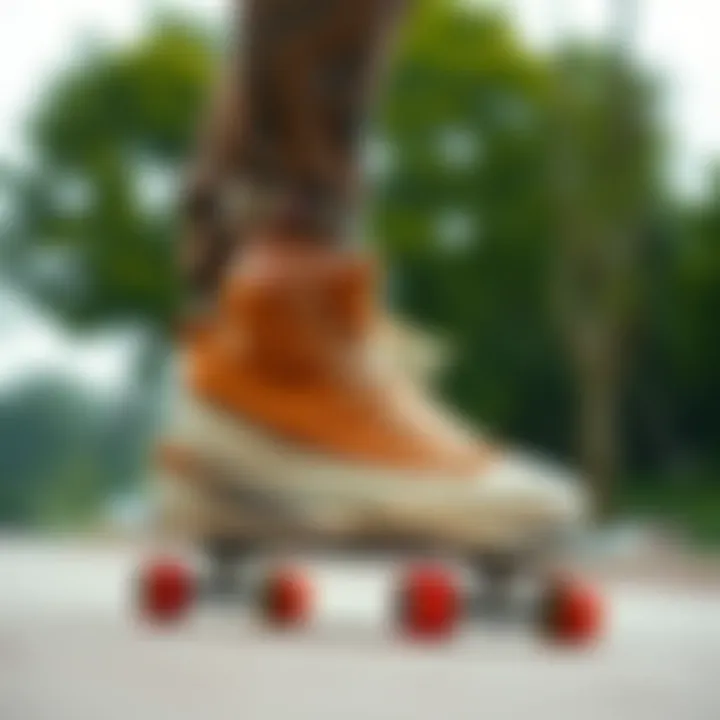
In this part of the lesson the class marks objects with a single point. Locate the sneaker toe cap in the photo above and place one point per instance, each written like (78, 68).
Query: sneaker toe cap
(537, 486)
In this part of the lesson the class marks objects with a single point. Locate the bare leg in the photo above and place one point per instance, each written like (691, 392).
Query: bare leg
(280, 148)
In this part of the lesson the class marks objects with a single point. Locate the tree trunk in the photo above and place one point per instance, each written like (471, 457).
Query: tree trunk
(598, 436)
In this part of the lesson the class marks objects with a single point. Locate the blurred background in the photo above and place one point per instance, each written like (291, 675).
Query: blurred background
(546, 188)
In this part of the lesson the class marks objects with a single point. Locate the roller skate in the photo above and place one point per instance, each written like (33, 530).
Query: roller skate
(302, 415)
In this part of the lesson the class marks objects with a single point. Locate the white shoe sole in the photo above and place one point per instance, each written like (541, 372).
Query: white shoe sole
(516, 498)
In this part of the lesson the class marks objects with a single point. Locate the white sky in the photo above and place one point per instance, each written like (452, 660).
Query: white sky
(679, 38)
(35, 345)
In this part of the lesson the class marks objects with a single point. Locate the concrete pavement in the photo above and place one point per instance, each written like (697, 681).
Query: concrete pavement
(71, 648)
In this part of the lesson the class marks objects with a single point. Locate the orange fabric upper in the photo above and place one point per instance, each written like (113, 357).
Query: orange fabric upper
(287, 351)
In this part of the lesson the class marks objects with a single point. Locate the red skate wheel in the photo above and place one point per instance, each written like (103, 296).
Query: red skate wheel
(573, 613)
(429, 603)
(287, 598)
(167, 589)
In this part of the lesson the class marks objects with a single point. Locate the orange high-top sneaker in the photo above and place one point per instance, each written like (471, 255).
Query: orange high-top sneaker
(295, 402)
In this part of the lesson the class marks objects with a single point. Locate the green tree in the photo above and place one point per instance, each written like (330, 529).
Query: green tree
(686, 343)
(463, 212)
(606, 156)
(95, 211)
(516, 209)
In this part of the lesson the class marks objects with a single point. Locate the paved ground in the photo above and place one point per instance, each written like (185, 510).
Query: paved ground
(70, 650)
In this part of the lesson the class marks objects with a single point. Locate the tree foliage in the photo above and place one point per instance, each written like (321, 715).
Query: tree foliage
(109, 140)
(464, 214)
(518, 198)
